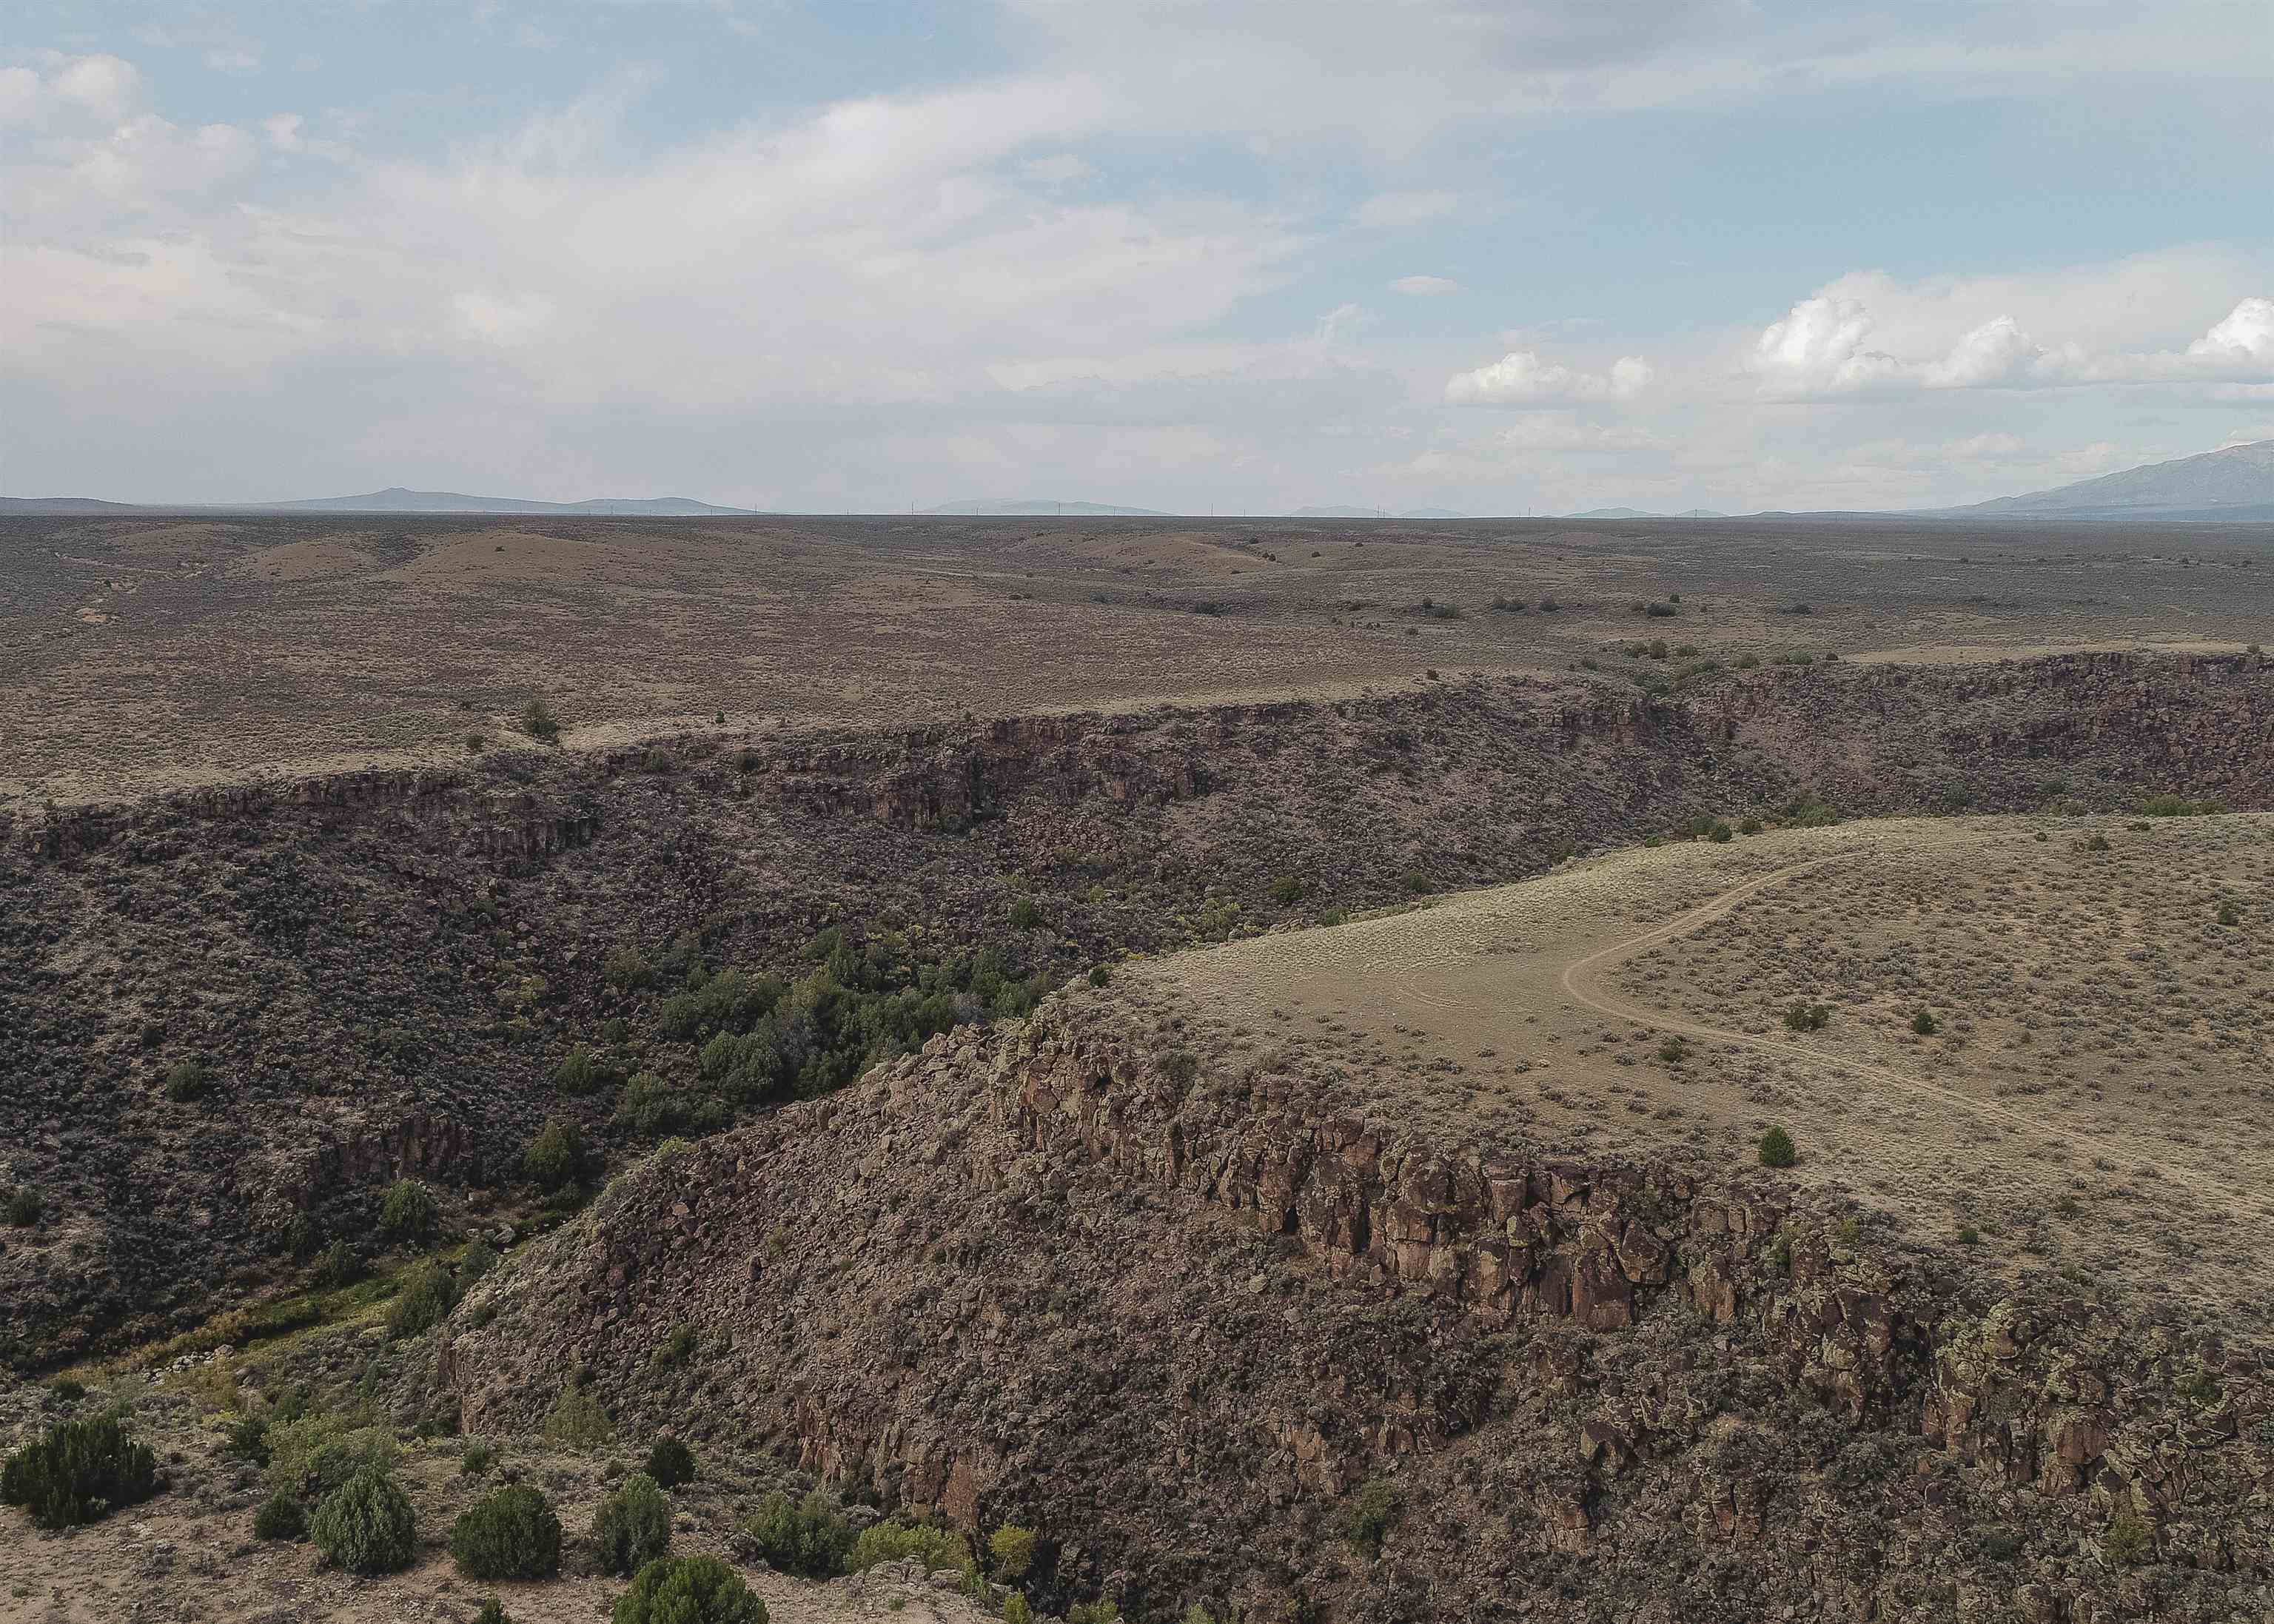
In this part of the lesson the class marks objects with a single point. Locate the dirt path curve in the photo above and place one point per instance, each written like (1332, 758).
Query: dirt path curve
(1585, 980)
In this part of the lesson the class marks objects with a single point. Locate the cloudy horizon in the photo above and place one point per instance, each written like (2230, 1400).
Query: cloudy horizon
(1242, 256)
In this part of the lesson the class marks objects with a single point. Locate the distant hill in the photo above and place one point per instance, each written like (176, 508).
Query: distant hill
(1636, 512)
(1037, 507)
(395, 498)
(2237, 482)
(63, 504)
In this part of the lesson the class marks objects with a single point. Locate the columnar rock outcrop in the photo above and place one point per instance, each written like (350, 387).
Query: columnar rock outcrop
(1174, 1308)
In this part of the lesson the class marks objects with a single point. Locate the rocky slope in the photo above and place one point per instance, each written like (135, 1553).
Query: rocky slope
(1222, 1338)
(381, 971)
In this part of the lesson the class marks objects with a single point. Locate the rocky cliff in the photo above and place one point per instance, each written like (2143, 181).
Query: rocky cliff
(1180, 1310)
(381, 970)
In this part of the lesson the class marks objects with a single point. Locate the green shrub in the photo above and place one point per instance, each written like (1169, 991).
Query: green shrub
(1016, 1610)
(280, 1517)
(688, 1589)
(806, 1538)
(423, 1301)
(1376, 1512)
(676, 1348)
(318, 1454)
(893, 1541)
(1674, 1051)
(188, 1080)
(652, 1107)
(670, 1462)
(1923, 1022)
(577, 1420)
(581, 1072)
(1099, 1611)
(555, 1157)
(338, 1266)
(539, 722)
(1010, 1551)
(79, 1471)
(2129, 1539)
(1099, 975)
(1968, 1236)
(2228, 915)
(1777, 1149)
(1807, 1017)
(509, 1533)
(632, 1526)
(627, 969)
(476, 1262)
(25, 1206)
(1286, 889)
(409, 1213)
(365, 1525)
(493, 1612)
(1026, 913)
(476, 1459)
(248, 1440)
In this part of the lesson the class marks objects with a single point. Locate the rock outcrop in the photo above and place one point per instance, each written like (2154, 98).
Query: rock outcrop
(1176, 1309)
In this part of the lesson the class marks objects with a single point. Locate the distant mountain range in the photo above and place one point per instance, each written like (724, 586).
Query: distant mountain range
(395, 498)
(1038, 508)
(2236, 483)
(1636, 512)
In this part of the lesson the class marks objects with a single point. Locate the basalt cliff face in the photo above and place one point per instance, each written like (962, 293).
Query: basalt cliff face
(1177, 1309)
(380, 970)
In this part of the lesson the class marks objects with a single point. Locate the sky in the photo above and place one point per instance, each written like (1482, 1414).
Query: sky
(1240, 256)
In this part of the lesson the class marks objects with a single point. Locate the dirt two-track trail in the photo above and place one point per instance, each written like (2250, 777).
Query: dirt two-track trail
(1584, 979)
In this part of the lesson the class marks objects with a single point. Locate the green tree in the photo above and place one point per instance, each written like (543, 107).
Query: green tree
(509, 1533)
(409, 1215)
(632, 1526)
(79, 1471)
(1777, 1149)
(688, 1589)
(806, 1538)
(365, 1525)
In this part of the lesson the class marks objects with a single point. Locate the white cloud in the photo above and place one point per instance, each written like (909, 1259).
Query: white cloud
(1424, 287)
(1830, 345)
(1521, 377)
(2244, 342)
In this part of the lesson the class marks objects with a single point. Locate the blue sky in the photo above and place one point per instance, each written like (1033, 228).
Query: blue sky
(1243, 255)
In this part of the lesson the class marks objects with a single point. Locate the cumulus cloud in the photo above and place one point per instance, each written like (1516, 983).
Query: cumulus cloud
(1424, 287)
(1826, 347)
(1522, 378)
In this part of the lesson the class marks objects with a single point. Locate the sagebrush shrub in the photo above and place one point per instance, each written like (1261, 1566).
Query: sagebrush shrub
(632, 1526)
(188, 1079)
(1807, 1017)
(365, 1525)
(688, 1589)
(79, 1471)
(25, 1206)
(806, 1538)
(539, 722)
(509, 1533)
(893, 1541)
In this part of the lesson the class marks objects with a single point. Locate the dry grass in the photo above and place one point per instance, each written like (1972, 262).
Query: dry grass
(142, 654)
(2096, 1097)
